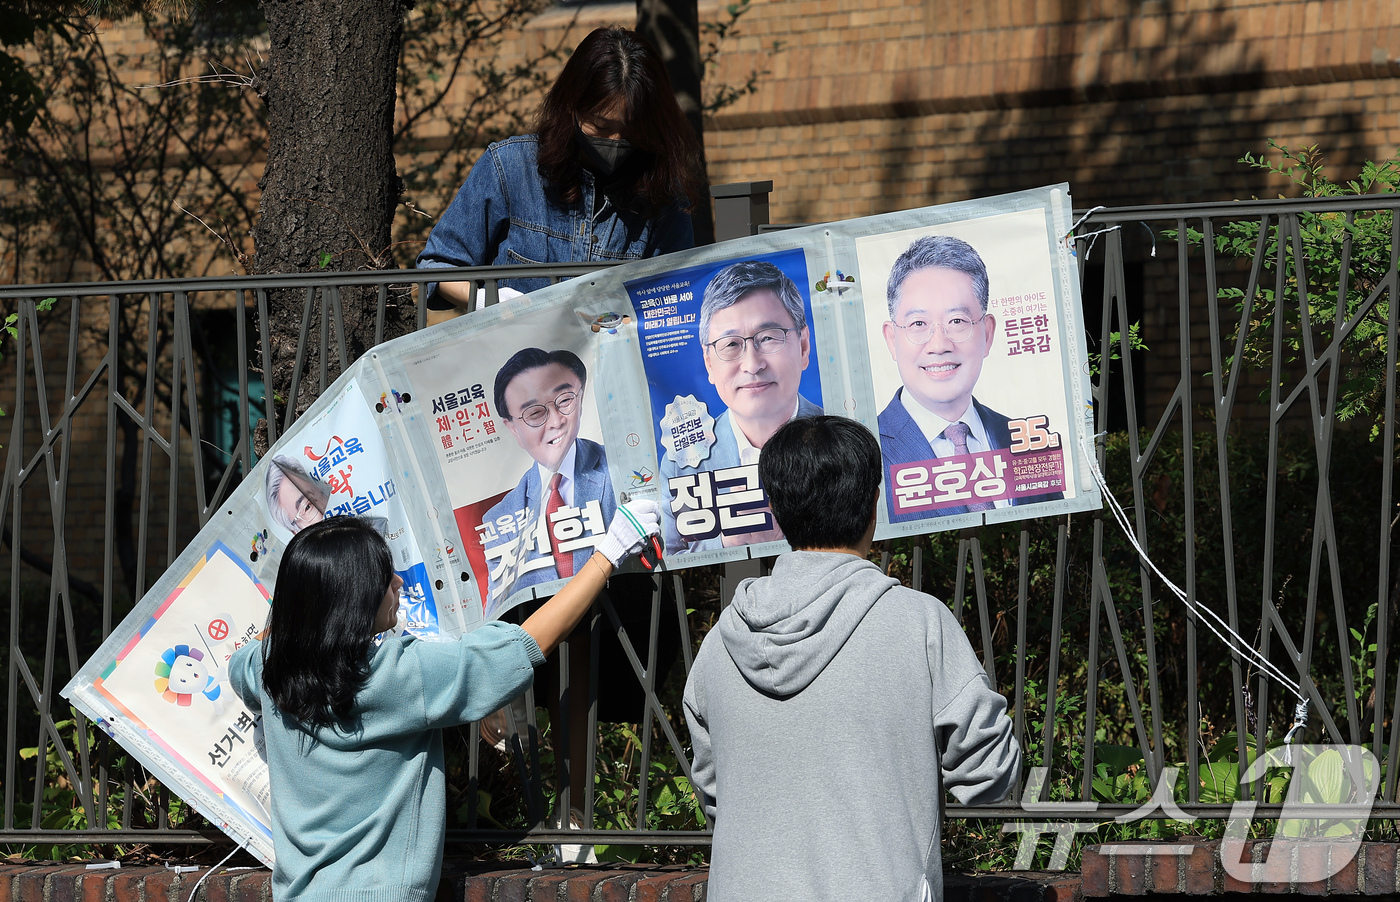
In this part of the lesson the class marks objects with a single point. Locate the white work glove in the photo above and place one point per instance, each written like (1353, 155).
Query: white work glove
(630, 526)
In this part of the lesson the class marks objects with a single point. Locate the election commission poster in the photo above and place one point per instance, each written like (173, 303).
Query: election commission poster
(170, 683)
(492, 451)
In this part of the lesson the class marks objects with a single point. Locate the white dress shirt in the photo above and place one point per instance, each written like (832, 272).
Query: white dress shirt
(566, 478)
(748, 454)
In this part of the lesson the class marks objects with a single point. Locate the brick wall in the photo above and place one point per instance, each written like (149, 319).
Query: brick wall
(464, 882)
(1193, 868)
(1135, 869)
(874, 105)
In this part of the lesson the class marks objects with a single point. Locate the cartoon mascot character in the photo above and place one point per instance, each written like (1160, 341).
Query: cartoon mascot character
(182, 673)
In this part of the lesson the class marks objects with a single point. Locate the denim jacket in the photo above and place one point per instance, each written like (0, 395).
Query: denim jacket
(503, 215)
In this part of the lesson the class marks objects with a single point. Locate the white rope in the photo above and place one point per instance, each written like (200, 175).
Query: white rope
(201, 880)
(1236, 642)
(1080, 221)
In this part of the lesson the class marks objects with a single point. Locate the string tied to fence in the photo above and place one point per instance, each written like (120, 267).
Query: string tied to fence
(1069, 237)
(1300, 721)
(1213, 621)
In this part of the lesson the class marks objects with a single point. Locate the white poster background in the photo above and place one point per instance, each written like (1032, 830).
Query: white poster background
(202, 732)
(498, 468)
(372, 492)
(1016, 251)
(489, 466)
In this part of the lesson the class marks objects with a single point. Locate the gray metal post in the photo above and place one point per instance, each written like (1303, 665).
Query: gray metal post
(740, 208)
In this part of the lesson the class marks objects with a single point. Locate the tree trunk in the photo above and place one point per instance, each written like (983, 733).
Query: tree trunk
(329, 188)
(673, 28)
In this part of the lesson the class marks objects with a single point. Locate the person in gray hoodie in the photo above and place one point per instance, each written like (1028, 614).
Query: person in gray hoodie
(830, 709)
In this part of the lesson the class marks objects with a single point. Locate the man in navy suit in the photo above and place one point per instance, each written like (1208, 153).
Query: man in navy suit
(938, 333)
(539, 394)
(756, 344)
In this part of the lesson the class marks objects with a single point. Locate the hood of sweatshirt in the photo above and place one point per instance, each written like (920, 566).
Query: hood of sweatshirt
(782, 631)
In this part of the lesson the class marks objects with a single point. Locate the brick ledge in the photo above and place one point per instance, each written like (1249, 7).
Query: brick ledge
(1193, 868)
(469, 882)
(1139, 868)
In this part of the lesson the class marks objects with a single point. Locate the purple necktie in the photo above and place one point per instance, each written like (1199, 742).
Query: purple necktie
(957, 434)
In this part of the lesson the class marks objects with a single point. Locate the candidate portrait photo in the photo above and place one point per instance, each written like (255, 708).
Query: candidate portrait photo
(756, 344)
(940, 334)
(540, 396)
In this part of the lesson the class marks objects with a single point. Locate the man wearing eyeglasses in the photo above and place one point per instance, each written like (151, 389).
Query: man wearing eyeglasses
(756, 344)
(938, 333)
(539, 394)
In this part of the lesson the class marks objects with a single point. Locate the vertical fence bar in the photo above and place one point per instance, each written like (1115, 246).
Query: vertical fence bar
(381, 306)
(113, 371)
(1188, 492)
(1052, 679)
(595, 635)
(1022, 606)
(14, 483)
(294, 391)
(1092, 689)
(114, 391)
(179, 315)
(650, 705)
(245, 445)
(1271, 485)
(323, 350)
(989, 661)
(1393, 790)
(563, 735)
(1223, 398)
(269, 396)
(145, 444)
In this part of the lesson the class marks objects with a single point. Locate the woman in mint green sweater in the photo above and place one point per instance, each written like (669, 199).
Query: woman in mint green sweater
(354, 731)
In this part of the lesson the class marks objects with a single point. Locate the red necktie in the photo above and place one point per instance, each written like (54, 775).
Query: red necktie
(957, 433)
(563, 560)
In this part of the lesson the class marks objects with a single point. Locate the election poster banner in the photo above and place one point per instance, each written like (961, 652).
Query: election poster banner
(520, 450)
(727, 350)
(339, 466)
(168, 685)
(965, 362)
(492, 451)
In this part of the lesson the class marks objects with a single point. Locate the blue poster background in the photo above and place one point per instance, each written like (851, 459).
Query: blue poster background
(671, 353)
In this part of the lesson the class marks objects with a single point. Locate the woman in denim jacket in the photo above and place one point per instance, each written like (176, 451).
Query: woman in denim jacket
(610, 175)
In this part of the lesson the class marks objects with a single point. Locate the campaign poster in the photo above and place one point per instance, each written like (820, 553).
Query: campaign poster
(517, 437)
(338, 466)
(727, 348)
(171, 683)
(966, 350)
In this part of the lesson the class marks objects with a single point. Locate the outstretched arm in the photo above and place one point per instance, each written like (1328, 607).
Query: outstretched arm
(632, 523)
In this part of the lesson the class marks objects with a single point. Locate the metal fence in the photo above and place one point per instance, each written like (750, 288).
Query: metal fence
(1251, 442)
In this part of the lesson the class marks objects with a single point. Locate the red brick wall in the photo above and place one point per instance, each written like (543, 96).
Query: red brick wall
(875, 105)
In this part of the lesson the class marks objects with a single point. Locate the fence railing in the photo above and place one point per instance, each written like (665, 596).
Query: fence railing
(1251, 442)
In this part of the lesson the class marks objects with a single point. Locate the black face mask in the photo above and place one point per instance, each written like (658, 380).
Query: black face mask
(604, 156)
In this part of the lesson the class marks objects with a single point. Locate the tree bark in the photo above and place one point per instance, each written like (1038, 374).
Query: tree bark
(330, 186)
(673, 28)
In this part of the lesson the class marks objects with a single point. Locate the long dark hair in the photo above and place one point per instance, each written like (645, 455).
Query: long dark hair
(610, 65)
(330, 585)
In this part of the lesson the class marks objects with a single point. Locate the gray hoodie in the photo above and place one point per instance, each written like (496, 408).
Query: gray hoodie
(830, 709)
